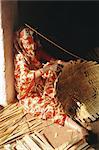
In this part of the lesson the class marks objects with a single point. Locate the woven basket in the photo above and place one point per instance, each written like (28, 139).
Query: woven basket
(78, 89)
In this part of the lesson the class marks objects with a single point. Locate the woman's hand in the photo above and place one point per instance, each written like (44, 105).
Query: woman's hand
(50, 66)
(54, 66)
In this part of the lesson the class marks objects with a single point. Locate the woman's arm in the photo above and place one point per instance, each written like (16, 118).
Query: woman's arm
(25, 78)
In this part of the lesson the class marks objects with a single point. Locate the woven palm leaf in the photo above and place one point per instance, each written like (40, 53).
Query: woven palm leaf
(78, 89)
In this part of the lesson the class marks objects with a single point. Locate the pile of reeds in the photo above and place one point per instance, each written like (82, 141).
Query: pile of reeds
(15, 123)
(34, 141)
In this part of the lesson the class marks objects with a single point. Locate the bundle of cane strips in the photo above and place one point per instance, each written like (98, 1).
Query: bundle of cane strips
(14, 124)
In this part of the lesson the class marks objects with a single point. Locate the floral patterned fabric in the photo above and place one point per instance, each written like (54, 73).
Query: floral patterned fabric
(36, 94)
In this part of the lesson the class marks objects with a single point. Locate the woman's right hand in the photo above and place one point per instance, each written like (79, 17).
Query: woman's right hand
(51, 66)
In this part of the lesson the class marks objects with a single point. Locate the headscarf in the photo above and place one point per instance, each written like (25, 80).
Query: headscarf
(25, 41)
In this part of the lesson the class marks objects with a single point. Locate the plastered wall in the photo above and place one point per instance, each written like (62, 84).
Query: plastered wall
(9, 20)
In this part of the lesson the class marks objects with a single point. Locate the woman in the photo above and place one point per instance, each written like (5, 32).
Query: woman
(35, 82)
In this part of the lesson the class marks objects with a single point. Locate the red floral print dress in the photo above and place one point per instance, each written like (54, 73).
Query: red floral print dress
(37, 95)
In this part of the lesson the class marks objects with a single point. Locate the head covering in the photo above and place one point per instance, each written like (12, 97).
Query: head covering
(25, 41)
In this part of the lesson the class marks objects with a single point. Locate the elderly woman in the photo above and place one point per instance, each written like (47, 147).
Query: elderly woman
(35, 82)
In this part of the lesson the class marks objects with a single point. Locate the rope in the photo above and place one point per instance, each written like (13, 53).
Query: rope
(44, 37)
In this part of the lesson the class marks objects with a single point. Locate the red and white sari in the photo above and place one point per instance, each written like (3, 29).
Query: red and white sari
(37, 95)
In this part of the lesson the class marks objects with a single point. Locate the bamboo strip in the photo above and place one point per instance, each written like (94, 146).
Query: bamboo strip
(21, 135)
(12, 121)
(7, 134)
(19, 142)
(26, 130)
(31, 143)
(6, 129)
(9, 108)
(25, 126)
(11, 114)
(38, 141)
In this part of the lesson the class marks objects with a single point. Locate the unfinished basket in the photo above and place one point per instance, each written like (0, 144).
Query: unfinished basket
(78, 89)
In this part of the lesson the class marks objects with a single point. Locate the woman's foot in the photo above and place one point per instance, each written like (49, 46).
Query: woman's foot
(83, 132)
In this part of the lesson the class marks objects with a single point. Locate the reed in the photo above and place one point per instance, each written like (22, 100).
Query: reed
(15, 123)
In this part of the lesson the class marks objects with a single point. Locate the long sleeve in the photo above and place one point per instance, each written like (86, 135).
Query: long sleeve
(23, 76)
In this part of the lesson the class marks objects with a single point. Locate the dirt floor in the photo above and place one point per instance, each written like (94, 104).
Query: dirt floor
(58, 135)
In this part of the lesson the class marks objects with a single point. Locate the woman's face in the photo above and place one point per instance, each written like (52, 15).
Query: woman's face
(27, 41)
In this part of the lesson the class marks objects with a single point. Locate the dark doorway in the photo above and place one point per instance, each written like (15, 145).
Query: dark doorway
(73, 25)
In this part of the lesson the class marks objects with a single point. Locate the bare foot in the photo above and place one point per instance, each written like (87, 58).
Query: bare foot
(83, 132)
